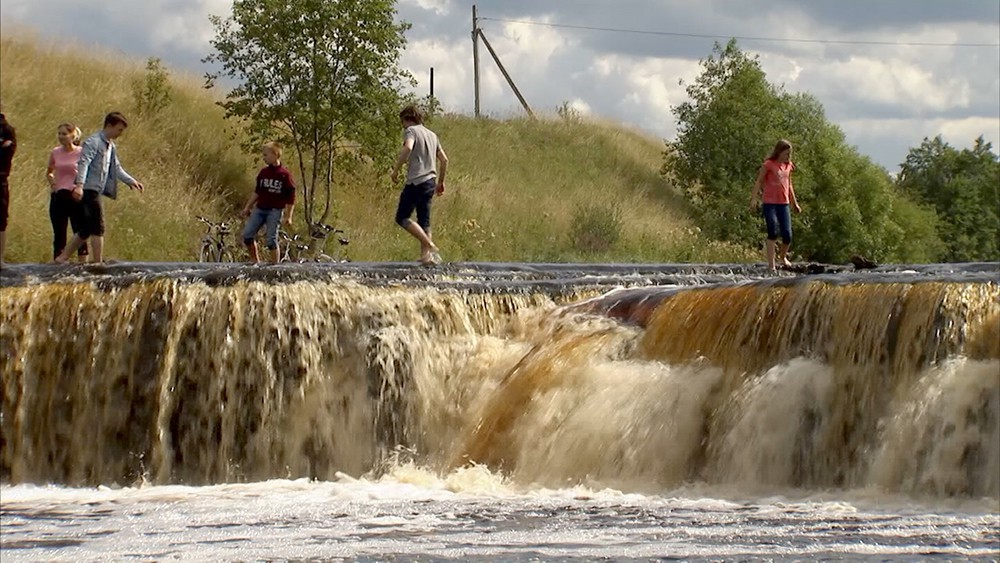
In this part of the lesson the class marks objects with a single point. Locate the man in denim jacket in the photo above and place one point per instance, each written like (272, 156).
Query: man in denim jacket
(98, 173)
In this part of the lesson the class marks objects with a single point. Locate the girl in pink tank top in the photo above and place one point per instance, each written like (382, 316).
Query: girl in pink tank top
(774, 193)
(61, 174)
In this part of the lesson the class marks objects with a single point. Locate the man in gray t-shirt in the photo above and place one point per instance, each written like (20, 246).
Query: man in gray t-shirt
(422, 153)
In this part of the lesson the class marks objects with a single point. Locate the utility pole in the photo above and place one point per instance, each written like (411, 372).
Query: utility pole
(475, 54)
(503, 70)
(478, 34)
(432, 83)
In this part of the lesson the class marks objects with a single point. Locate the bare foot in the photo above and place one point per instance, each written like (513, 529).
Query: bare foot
(786, 263)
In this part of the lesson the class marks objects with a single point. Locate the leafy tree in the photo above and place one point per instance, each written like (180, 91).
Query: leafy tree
(320, 75)
(730, 124)
(152, 92)
(962, 186)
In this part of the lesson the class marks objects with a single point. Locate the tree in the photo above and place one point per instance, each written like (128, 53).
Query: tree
(962, 187)
(322, 76)
(731, 122)
(152, 92)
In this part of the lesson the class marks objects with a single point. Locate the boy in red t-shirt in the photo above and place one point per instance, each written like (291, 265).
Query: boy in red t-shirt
(273, 196)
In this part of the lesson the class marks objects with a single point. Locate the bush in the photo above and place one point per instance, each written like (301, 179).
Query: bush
(152, 91)
(595, 228)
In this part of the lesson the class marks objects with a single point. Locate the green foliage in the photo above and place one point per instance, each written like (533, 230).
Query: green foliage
(151, 93)
(320, 75)
(962, 187)
(595, 228)
(729, 126)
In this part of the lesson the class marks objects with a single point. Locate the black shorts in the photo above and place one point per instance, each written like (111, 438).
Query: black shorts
(416, 197)
(4, 203)
(91, 215)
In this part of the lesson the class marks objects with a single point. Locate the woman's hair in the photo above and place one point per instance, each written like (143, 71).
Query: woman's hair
(275, 147)
(779, 148)
(412, 114)
(74, 131)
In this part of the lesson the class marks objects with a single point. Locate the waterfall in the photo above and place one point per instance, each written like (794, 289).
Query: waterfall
(811, 384)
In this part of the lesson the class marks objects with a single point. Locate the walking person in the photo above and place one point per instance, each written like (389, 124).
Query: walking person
(273, 196)
(61, 175)
(421, 152)
(8, 145)
(774, 190)
(98, 173)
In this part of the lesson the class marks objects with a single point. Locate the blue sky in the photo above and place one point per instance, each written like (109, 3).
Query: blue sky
(886, 98)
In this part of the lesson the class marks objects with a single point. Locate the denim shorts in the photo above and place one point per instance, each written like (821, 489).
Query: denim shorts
(779, 221)
(260, 218)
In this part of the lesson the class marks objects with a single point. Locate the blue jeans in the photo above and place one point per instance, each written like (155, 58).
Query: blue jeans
(259, 218)
(778, 217)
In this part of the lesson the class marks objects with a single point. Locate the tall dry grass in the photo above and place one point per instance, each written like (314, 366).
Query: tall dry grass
(182, 154)
(518, 189)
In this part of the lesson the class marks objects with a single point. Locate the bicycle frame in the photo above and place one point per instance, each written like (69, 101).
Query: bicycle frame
(213, 243)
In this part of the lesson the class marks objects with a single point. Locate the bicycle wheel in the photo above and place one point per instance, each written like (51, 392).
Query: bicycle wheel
(226, 255)
(207, 253)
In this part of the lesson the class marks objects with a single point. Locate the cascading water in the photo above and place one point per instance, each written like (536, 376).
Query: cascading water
(887, 383)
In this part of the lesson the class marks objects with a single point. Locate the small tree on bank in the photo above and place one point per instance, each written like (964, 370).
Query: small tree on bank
(322, 76)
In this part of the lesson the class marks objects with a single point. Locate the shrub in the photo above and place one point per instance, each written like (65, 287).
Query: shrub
(152, 91)
(595, 228)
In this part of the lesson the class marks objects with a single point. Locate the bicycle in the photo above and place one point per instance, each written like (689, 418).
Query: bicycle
(318, 236)
(213, 242)
(294, 248)
(290, 246)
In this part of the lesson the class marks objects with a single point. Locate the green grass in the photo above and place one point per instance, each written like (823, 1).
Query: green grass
(517, 188)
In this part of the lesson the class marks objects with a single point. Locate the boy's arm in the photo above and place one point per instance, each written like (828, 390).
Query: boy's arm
(290, 208)
(404, 155)
(250, 203)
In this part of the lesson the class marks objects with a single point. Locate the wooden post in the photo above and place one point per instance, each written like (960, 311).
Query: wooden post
(475, 55)
(505, 75)
(432, 83)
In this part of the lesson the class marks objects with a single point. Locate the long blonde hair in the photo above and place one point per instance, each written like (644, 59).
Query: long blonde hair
(77, 134)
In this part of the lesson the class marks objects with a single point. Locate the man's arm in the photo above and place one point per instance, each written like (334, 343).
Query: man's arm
(8, 137)
(442, 159)
(87, 153)
(127, 178)
(404, 155)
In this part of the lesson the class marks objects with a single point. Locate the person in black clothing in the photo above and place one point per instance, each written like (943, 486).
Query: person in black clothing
(8, 144)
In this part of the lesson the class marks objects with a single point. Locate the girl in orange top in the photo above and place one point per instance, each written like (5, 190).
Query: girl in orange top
(774, 189)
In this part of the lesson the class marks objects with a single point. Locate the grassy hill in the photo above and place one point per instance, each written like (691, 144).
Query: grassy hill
(519, 190)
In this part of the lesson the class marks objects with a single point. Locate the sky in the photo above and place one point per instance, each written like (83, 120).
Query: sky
(886, 97)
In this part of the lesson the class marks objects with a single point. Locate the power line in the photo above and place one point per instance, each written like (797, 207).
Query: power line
(745, 38)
